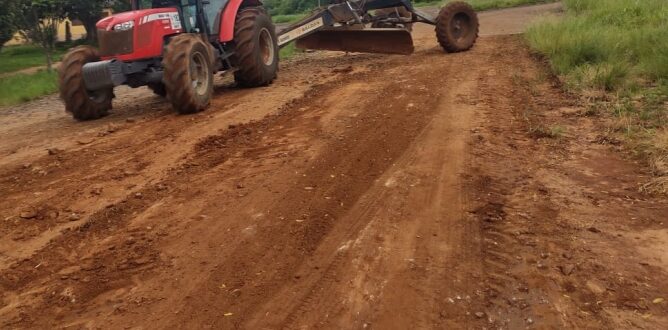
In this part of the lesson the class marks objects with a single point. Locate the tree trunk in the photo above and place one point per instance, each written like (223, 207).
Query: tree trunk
(91, 29)
(49, 59)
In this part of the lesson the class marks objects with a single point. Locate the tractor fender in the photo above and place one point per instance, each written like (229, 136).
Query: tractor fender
(229, 17)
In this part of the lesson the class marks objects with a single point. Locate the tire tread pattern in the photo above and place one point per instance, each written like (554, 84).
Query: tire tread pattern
(72, 89)
(178, 84)
(442, 29)
(251, 72)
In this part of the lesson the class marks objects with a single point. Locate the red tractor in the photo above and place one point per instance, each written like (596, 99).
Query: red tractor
(174, 47)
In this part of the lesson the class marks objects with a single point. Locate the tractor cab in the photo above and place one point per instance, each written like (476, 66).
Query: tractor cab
(211, 12)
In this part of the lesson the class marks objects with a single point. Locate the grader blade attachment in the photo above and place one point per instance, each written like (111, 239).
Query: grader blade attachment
(384, 41)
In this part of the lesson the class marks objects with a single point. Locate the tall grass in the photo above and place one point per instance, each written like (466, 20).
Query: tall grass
(607, 44)
(20, 87)
(616, 50)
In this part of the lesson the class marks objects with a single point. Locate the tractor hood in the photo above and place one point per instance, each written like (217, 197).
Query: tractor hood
(137, 35)
(138, 17)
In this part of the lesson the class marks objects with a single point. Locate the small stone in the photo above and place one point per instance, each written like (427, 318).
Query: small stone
(28, 165)
(567, 255)
(529, 321)
(479, 315)
(52, 151)
(240, 185)
(141, 261)
(595, 287)
(139, 195)
(594, 230)
(74, 217)
(161, 187)
(28, 214)
(567, 269)
(85, 141)
(96, 191)
(130, 120)
(308, 188)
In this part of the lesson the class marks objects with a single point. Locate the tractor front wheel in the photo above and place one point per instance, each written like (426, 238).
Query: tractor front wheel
(457, 27)
(256, 48)
(79, 101)
(188, 74)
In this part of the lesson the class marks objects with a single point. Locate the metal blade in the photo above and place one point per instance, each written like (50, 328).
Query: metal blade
(384, 41)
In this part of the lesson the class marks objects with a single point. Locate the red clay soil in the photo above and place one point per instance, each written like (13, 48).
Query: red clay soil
(441, 191)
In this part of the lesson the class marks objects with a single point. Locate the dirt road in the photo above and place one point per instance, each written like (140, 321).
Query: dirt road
(438, 190)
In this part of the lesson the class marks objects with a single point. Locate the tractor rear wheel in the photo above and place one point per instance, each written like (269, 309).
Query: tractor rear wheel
(256, 48)
(79, 101)
(457, 27)
(188, 74)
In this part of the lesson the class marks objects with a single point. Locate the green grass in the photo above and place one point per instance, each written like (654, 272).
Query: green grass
(20, 87)
(610, 45)
(288, 51)
(616, 50)
(281, 19)
(15, 58)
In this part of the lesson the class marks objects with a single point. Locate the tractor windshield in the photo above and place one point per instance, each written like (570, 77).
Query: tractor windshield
(187, 9)
(148, 4)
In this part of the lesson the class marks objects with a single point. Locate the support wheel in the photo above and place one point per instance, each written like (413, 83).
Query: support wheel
(158, 89)
(80, 102)
(188, 75)
(457, 27)
(256, 48)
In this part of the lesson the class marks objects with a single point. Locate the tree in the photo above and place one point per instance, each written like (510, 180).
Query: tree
(38, 23)
(7, 26)
(88, 12)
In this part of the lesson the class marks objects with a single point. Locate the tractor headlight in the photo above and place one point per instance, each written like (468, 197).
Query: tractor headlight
(124, 26)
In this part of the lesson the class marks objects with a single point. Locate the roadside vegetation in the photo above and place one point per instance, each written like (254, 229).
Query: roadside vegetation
(615, 54)
(15, 58)
(21, 87)
(290, 18)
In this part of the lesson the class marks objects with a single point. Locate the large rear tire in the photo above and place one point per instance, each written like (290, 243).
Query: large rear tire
(80, 102)
(188, 75)
(256, 48)
(457, 27)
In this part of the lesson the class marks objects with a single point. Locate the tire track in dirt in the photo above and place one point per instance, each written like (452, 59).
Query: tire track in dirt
(108, 223)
